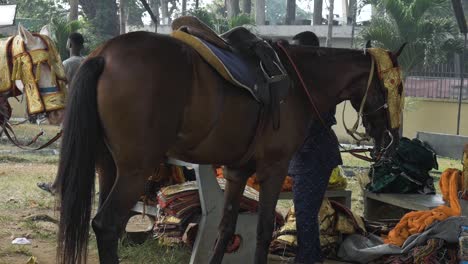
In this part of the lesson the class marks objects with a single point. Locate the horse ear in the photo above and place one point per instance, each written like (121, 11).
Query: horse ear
(369, 44)
(25, 34)
(45, 31)
(400, 50)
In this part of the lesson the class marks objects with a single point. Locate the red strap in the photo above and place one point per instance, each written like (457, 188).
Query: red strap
(304, 86)
(311, 100)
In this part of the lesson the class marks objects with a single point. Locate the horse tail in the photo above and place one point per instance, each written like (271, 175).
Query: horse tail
(76, 172)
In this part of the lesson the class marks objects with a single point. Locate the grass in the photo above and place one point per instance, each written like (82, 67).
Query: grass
(153, 252)
(15, 250)
(18, 185)
(26, 132)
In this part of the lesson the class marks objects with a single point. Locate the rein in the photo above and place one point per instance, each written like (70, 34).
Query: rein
(11, 135)
(304, 86)
(353, 152)
(353, 131)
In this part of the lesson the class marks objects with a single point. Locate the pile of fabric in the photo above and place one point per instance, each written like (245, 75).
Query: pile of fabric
(419, 237)
(407, 171)
(434, 251)
(180, 205)
(416, 222)
(335, 221)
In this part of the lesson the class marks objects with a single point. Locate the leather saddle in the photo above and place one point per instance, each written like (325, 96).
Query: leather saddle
(272, 82)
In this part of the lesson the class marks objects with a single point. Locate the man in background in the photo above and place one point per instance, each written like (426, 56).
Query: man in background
(311, 167)
(75, 46)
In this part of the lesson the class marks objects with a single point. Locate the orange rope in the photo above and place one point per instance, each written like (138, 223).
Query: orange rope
(417, 221)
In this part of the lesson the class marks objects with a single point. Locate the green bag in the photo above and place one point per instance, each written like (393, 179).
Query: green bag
(407, 171)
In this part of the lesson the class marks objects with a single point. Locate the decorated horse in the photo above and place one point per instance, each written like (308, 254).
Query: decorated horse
(142, 97)
(31, 66)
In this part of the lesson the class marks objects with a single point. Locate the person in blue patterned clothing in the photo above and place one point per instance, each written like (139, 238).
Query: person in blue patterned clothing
(311, 167)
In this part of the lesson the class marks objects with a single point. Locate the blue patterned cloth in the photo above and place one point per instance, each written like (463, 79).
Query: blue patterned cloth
(310, 168)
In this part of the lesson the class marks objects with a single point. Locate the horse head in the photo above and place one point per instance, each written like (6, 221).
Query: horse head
(382, 103)
(371, 80)
(44, 73)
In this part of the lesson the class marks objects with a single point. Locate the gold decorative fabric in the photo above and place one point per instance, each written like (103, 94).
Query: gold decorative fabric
(390, 77)
(5, 71)
(23, 70)
(55, 101)
(24, 63)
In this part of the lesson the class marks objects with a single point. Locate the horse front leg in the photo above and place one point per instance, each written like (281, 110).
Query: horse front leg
(271, 180)
(236, 180)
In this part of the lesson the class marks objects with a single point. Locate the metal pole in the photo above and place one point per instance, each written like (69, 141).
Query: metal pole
(462, 77)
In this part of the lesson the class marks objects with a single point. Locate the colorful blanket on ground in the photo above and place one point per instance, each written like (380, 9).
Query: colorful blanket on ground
(230, 66)
(335, 221)
(417, 221)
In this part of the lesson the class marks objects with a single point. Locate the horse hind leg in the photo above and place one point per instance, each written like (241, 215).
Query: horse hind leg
(112, 215)
(236, 180)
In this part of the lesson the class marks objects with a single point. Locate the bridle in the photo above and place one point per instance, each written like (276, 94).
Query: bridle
(358, 136)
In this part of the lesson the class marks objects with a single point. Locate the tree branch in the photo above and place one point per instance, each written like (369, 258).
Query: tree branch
(153, 17)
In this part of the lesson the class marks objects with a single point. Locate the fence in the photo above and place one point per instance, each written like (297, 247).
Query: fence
(438, 82)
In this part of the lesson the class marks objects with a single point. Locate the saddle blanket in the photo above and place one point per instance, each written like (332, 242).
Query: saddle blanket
(230, 66)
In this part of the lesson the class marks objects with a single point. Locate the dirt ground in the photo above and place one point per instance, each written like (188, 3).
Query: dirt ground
(26, 211)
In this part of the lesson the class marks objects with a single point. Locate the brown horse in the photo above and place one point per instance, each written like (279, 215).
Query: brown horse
(144, 96)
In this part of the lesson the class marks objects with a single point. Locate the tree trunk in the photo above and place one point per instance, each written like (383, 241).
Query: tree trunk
(345, 12)
(184, 7)
(106, 21)
(164, 12)
(290, 12)
(352, 11)
(73, 15)
(89, 8)
(330, 24)
(197, 4)
(123, 16)
(232, 7)
(260, 12)
(318, 6)
(247, 6)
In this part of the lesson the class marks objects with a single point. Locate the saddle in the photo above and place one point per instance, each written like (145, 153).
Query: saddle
(271, 80)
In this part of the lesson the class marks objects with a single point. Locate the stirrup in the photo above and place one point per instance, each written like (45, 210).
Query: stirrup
(273, 78)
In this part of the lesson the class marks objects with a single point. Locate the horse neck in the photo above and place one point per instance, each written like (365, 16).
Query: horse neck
(331, 75)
